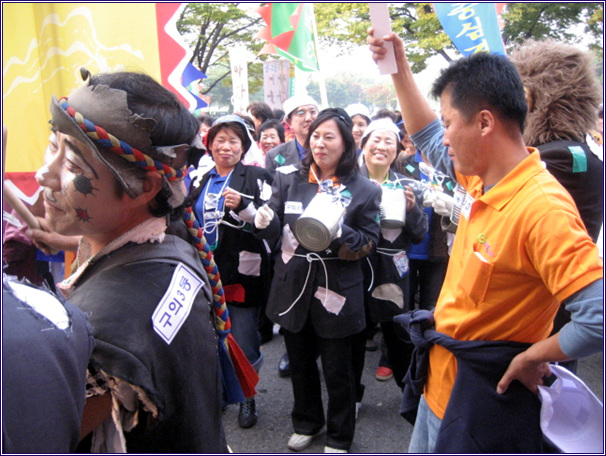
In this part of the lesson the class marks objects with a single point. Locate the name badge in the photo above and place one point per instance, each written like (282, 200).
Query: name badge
(401, 262)
(466, 207)
(174, 308)
(293, 207)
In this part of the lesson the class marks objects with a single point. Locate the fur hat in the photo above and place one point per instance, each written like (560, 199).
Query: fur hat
(561, 88)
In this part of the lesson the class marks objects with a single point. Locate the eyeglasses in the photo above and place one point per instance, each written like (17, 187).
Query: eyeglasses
(303, 112)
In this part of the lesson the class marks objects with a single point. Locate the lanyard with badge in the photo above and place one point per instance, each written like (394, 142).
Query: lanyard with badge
(213, 213)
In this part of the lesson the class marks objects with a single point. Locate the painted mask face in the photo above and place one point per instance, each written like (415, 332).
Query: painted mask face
(81, 194)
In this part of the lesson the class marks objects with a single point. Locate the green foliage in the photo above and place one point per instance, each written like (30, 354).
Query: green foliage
(345, 25)
(347, 89)
(210, 29)
(568, 22)
(342, 24)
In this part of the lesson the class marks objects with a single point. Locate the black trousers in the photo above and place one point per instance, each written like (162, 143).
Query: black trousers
(399, 349)
(426, 277)
(308, 418)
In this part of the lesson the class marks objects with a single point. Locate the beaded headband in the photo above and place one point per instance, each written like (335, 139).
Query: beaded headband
(104, 139)
(99, 117)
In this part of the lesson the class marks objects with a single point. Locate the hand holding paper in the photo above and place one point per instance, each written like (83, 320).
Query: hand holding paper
(379, 16)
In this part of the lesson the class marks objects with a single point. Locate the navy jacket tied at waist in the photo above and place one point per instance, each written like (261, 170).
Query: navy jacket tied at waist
(477, 418)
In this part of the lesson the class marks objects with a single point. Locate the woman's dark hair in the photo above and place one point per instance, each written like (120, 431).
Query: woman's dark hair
(260, 110)
(348, 165)
(205, 119)
(278, 114)
(275, 124)
(386, 114)
(366, 118)
(174, 123)
(237, 128)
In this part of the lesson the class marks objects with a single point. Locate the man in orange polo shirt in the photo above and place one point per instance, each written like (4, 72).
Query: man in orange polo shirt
(520, 249)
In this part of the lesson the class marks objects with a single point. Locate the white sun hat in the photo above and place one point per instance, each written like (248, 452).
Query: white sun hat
(297, 101)
(357, 108)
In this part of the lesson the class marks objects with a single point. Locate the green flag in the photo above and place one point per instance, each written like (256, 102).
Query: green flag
(290, 33)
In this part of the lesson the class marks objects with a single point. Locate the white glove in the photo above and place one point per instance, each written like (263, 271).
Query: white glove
(263, 217)
(428, 198)
(443, 204)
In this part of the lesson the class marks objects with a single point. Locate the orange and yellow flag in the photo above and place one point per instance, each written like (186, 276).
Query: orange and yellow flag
(46, 44)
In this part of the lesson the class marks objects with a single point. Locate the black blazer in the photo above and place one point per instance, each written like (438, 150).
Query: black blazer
(584, 184)
(282, 155)
(384, 270)
(296, 278)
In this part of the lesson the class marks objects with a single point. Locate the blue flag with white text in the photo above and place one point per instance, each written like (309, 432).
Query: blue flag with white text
(472, 27)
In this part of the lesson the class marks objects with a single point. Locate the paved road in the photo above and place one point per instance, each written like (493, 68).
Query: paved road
(379, 428)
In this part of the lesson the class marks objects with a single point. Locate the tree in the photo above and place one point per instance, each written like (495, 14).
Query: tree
(346, 89)
(381, 96)
(568, 22)
(343, 90)
(345, 25)
(210, 29)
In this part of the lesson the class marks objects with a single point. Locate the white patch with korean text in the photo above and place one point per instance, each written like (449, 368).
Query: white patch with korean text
(174, 308)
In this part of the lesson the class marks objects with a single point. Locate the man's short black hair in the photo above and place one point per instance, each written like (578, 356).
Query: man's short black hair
(484, 81)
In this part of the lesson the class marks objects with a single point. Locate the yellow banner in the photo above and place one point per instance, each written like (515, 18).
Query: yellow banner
(44, 47)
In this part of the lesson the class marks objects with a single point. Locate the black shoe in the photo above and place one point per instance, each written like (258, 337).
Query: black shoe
(371, 345)
(284, 366)
(247, 417)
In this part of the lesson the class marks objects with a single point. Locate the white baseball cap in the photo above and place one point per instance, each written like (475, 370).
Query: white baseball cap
(357, 109)
(382, 124)
(297, 101)
(572, 417)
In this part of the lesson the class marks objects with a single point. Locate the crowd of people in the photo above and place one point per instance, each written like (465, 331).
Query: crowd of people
(467, 241)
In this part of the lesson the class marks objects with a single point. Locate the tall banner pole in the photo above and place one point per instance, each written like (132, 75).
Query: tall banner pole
(321, 81)
(239, 78)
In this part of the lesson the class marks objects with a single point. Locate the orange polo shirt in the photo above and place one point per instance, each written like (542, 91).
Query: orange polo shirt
(518, 252)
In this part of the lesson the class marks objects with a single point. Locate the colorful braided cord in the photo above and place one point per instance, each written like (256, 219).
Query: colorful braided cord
(219, 305)
(103, 139)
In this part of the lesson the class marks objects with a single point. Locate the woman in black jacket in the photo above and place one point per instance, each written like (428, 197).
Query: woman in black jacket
(388, 273)
(317, 295)
(226, 199)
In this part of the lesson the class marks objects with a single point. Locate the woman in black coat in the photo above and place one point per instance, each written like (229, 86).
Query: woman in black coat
(389, 269)
(317, 296)
(226, 199)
